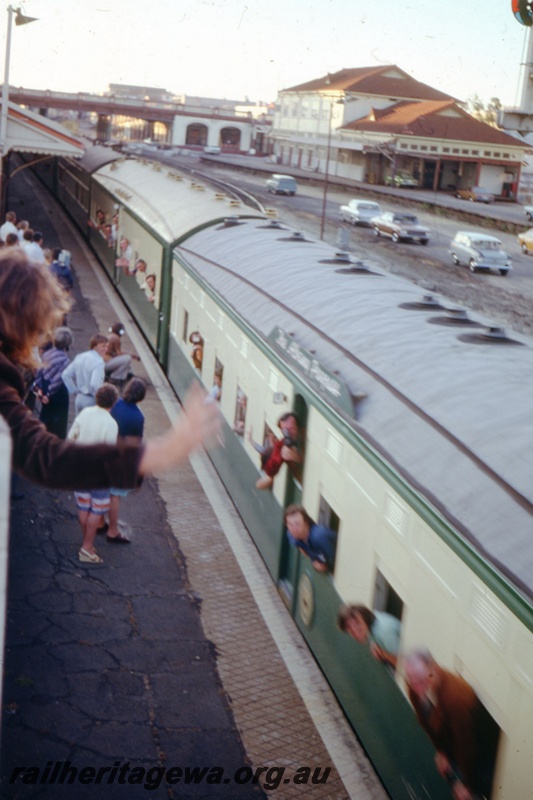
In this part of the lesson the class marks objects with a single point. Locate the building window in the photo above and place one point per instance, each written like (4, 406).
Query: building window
(455, 150)
(433, 149)
(506, 155)
(423, 147)
(475, 152)
(414, 147)
(465, 152)
(497, 155)
(486, 153)
(445, 149)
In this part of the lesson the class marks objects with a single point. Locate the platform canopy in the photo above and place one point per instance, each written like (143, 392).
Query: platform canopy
(28, 132)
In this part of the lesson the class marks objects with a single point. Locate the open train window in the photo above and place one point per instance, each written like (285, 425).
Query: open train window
(330, 519)
(240, 412)
(385, 598)
(216, 391)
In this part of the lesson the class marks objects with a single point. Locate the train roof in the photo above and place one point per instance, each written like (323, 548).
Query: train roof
(95, 156)
(169, 201)
(447, 399)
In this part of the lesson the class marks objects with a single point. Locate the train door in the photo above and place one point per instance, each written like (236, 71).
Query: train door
(289, 559)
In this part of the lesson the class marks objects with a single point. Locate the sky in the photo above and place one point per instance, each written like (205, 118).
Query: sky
(253, 48)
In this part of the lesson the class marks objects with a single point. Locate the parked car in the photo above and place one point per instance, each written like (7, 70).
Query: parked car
(359, 212)
(476, 194)
(212, 150)
(528, 211)
(400, 226)
(402, 180)
(479, 251)
(281, 184)
(526, 241)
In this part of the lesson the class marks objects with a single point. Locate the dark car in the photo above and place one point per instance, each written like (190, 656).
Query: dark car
(401, 226)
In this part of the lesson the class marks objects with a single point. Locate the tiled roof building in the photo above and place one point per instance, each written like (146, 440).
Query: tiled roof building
(378, 123)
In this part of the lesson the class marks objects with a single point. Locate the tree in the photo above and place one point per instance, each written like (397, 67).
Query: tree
(484, 112)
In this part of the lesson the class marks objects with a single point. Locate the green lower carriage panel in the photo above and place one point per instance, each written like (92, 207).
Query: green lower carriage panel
(260, 512)
(145, 314)
(375, 706)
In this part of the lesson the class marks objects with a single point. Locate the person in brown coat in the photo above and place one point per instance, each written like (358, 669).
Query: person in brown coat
(450, 712)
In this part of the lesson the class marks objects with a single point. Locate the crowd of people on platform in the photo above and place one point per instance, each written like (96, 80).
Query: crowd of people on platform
(104, 452)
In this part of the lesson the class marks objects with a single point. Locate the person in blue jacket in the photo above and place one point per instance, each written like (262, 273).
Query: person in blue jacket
(314, 541)
(130, 421)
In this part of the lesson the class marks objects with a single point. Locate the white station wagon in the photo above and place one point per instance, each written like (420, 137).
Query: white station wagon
(479, 251)
(359, 212)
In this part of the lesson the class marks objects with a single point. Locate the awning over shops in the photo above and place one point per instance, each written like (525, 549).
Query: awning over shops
(28, 132)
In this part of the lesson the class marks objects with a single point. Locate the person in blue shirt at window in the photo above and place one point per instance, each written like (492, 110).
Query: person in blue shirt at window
(314, 541)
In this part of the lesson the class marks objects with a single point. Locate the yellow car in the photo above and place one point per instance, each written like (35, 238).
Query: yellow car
(526, 241)
(476, 195)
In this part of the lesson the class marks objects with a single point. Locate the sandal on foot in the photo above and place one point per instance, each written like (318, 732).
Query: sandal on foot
(89, 558)
(118, 539)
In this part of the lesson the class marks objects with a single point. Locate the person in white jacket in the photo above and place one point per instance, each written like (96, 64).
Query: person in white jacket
(94, 425)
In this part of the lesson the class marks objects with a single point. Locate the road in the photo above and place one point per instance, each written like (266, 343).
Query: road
(506, 301)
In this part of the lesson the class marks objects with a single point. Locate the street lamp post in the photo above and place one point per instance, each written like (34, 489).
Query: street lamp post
(20, 19)
(326, 174)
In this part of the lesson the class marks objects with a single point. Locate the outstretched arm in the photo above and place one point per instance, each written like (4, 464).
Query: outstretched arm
(199, 423)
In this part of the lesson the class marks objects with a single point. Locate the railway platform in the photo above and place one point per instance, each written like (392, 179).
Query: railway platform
(173, 670)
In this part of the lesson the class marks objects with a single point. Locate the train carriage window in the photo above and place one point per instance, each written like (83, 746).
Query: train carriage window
(329, 519)
(185, 332)
(265, 446)
(385, 598)
(216, 389)
(240, 412)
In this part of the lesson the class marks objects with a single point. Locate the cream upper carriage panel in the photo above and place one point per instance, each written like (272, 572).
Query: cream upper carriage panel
(169, 202)
(446, 405)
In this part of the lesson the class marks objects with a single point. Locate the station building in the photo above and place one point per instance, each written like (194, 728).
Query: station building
(380, 125)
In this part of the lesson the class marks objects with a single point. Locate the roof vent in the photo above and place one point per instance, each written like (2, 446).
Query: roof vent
(297, 236)
(342, 255)
(355, 268)
(426, 302)
(494, 332)
(456, 314)
(234, 202)
(429, 300)
(271, 212)
(272, 225)
(493, 335)
(230, 222)
(220, 196)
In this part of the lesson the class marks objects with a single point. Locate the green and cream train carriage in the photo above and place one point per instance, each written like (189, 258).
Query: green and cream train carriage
(417, 429)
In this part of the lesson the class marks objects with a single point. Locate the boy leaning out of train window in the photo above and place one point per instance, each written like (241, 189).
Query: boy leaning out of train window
(377, 630)
(314, 541)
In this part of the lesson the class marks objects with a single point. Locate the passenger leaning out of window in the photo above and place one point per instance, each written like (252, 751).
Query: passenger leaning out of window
(284, 451)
